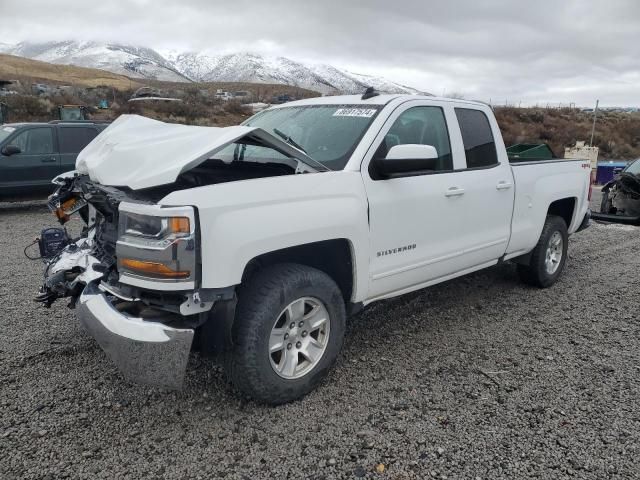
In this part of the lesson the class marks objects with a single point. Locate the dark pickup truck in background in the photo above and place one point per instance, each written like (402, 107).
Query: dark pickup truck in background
(32, 154)
(621, 197)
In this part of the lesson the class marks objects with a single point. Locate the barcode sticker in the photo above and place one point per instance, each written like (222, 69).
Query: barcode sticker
(355, 112)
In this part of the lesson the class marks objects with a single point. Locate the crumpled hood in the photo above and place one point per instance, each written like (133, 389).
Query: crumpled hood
(138, 152)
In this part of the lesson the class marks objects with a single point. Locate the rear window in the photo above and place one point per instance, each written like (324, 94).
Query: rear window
(74, 139)
(479, 145)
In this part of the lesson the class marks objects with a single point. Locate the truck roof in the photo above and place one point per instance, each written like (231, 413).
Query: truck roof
(381, 99)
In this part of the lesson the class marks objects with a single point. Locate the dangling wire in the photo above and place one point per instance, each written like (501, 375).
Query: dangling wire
(35, 242)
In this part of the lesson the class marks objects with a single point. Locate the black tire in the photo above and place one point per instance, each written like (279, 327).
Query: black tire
(535, 273)
(260, 302)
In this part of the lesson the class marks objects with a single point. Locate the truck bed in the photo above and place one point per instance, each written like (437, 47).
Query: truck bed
(538, 185)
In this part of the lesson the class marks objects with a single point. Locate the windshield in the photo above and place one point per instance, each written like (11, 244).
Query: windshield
(327, 133)
(634, 168)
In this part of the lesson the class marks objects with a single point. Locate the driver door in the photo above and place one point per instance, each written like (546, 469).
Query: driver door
(36, 164)
(415, 230)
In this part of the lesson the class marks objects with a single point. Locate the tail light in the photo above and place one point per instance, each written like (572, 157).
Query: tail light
(591, 178)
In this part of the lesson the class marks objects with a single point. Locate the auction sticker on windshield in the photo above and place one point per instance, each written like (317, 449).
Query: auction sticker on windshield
(355, 112)
(9, 129)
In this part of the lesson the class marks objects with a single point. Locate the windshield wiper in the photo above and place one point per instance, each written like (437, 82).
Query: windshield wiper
(289, 140)
(297, 146)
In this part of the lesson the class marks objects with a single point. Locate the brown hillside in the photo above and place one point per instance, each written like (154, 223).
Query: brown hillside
(617, 134)
(29, 71)
(33, 71)
(198, 107)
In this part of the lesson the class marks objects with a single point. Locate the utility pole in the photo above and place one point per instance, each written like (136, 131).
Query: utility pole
(593, 128)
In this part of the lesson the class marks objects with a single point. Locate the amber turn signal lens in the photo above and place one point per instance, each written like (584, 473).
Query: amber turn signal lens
(63, 217)
(179, 225)
(69, 204)
(153, 268)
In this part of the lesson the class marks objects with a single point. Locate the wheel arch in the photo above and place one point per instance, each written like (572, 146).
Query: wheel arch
(334, 257)
(564, 208)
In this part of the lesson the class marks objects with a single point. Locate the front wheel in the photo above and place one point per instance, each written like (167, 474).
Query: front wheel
(549, 255)
(287, 334)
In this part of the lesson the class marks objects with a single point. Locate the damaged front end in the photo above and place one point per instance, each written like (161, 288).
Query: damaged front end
(134, 271)
(71, 264)
(132, 275)
(621, 200)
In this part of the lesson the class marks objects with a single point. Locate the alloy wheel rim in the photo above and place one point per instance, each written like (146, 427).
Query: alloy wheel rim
(554, 252)
(299, 338)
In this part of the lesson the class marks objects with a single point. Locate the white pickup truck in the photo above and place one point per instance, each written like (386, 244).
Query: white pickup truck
(256, 242)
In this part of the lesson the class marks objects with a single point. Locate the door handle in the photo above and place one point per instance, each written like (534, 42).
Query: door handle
(49, 160)
(454, 192)
(504, 185)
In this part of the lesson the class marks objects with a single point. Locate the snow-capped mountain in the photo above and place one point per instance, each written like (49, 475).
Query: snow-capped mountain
(141, 62)
(136, 62)
(251, 68)
(349, 82)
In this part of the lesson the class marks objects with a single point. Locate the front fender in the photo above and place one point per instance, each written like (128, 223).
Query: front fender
(242, 220)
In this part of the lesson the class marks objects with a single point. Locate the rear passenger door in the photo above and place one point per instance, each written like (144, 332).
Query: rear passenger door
(37, 163)
(487, 185)
(72, 139)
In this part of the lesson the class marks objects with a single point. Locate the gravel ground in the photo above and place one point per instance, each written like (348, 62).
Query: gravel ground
(480, 377)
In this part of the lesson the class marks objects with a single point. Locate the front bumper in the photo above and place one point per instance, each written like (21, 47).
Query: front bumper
(144, 351)
(611, 218)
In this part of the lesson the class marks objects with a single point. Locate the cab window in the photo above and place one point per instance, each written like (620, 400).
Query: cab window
(479, 145)
(422, 126)
(74, 139)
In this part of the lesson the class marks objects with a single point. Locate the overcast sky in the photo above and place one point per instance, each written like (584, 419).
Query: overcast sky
(521, 51)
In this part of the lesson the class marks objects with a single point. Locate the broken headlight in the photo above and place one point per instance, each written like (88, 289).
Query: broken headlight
(154, 227)
(156, 242)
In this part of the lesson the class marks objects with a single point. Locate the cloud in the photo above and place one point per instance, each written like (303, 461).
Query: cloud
(542, 51)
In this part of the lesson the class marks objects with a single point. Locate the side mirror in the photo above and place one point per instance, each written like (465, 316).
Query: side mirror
(9, 150)
(408, 158)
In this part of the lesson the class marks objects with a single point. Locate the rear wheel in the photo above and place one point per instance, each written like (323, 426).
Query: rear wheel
(549, 255)
(287, 334)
